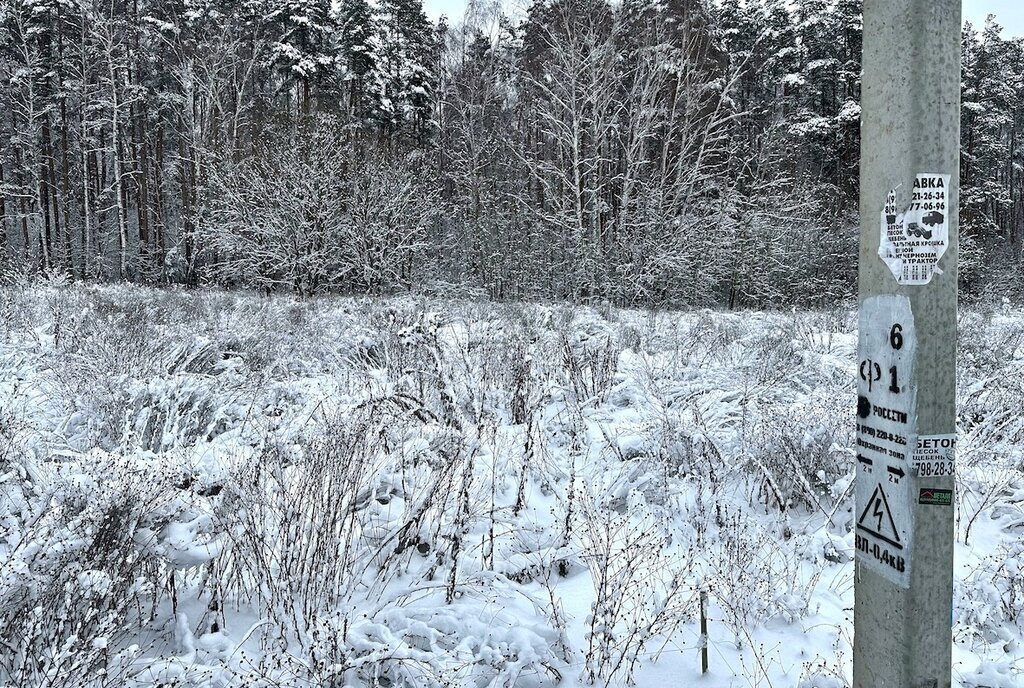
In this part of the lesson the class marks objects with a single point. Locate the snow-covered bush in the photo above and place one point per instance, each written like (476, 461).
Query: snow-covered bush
(77, 587)
(640, 583)
(223, 489)
(311, 209)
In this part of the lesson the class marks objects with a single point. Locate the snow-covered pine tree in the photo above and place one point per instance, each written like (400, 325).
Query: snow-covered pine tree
(403, 76)
(36, 58)
(991, 207)
(358, 43)
(303, 48)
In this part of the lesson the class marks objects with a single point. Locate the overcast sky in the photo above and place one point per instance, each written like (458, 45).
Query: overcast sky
(1009, 13)
(435, 8)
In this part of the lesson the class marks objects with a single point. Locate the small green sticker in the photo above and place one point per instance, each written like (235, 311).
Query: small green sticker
(935, 496)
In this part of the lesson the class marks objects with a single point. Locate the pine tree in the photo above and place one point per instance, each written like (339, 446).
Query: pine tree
(992, 116)
(404, 76)
(303, 49)
(357, 35)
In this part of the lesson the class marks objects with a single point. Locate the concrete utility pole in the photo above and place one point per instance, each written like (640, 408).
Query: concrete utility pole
(906, 413)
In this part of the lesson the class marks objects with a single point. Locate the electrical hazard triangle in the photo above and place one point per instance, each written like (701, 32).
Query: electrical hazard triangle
(876, 519)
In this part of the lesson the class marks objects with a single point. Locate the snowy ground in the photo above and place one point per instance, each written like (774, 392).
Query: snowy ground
(217, 489)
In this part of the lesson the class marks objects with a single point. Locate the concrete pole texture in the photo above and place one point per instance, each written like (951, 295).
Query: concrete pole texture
(906, 413)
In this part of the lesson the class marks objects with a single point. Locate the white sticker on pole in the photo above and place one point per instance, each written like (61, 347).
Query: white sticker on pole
(912, 242)
(886, 435)
(934, 454)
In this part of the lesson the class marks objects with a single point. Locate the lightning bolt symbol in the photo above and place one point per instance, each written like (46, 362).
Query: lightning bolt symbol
(878, 513)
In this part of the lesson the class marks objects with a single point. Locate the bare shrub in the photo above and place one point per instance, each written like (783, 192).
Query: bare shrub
(640, 585)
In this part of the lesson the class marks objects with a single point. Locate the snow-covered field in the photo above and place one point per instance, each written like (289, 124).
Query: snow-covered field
(212, 489)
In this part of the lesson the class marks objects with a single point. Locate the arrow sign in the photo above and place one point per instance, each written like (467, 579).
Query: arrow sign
(898, 472)
(865, 460)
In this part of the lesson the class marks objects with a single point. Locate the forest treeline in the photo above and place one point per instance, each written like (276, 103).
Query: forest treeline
(643, 152)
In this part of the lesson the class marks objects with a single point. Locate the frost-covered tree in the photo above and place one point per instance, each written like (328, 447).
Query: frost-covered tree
(794, 148)
(303, 49)
(33, 59)
(992, 119)
(403, 75)
(358, 43)
(302, 214)
(643, 151)
(477, 169)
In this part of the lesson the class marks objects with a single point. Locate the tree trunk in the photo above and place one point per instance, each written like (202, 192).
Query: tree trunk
(65, 183)
(3, 217)
(87, 242)
(56, 234)
(43, 200)
(115, 133)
